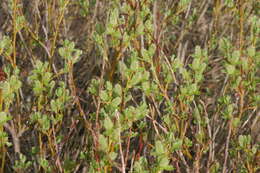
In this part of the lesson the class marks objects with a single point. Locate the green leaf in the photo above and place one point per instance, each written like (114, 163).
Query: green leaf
(116, 102)
(164, 164)
(145, 55)
(177, 145)
(103, 142)
(141, 111)
(100, 28)
(139, 165)
(176, 64)
(118, 89)
(21, 163)
(146, 76)
(200, 136)
(196, 64)
(235, 57)
(44, 164)
(38, 88)
(4, 118)
(104, 95)
(245, 64)
(109, 86)
(112, 155)
(108, 124)
(61, 51)
(196, 115)
(230, 69)
(136, 79)
(244, 140)
(134, 65)
(54, 106)
(113, 17)
(140, 29)
(235, 122)
(251, 51)
(146, 87)
(187, 142)
(45, 123)
(198, 52)
(198, 77)
(185, 74)
(159, 148)
(93, 88)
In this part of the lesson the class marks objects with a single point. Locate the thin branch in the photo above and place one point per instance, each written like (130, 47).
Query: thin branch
(227, 147)
(120, 144)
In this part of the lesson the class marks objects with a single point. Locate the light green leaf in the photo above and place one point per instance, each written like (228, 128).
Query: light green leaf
(109, 86)
(136, 79)
(116, 101)
(230, 69)
(103, 142)
(108, 124)
(104, 95)
(251, 51)
(112, 155)
(4, 118)
(164, 164)
(177, 144)
(118, 89)
(159, 148)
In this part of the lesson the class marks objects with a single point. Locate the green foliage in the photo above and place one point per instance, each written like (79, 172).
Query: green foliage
(6, 45)
(45, 165)
(3, 135)
(129, 86)
(22, 164)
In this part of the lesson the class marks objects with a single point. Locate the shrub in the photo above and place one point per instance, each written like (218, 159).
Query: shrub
(129, 86)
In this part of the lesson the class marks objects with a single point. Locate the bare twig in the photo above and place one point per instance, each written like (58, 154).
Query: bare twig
(120, 144)
(227, 147)
(15, 135)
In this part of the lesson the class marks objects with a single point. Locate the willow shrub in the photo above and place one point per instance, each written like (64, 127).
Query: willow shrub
(130, 86)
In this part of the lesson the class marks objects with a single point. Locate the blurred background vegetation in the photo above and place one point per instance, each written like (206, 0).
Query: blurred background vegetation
(130, 86)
